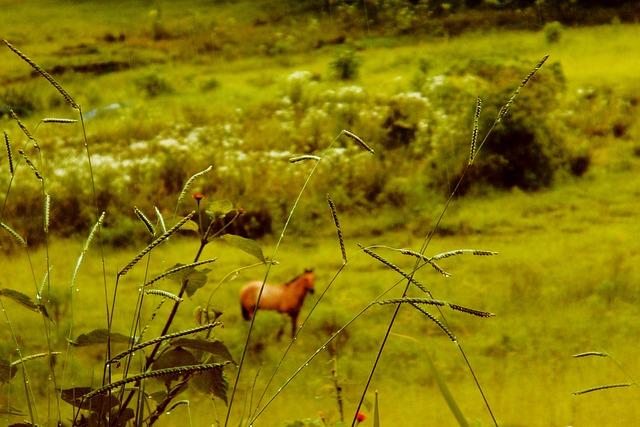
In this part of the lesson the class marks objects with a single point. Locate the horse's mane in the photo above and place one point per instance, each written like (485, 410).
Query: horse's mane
(293, 280)
(297, 277)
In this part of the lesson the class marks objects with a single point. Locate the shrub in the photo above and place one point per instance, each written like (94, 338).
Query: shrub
(298, 88)
(346, 64)
(579, 164)
(210, 84)
(406, 113)
(553, 32)
(21, 99)
(526, 148)
(153, 85)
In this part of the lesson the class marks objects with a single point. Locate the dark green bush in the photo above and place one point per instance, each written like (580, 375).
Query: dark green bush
(21, 99)
(553, 32)
(210, 84)
(346, 64)
(153, 85)
(526, 148)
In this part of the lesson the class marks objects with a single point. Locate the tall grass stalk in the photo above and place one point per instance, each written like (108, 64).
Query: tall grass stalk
(162, 238)
(33, 412)
(334, 215)
(71, 101)
(135, 321)
(46, 324)
(363, 145)
(615, 362)
(427, 240)
(45, 321)
(73, 289)
(13, 167)
(264, 280)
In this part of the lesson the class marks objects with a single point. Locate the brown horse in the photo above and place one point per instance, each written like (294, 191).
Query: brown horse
(286, 298)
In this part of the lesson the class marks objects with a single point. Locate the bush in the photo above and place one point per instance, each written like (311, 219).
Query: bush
(579, 164)
(553, 32)
(21, 99)
(346, 64)
(153, 85)
(210, 84)
(526, 148)
(407, 112)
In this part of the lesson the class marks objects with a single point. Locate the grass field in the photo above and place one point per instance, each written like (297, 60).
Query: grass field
(564, 282)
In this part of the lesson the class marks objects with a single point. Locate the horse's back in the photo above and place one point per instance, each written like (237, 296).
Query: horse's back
(271, 296)
(249, 293)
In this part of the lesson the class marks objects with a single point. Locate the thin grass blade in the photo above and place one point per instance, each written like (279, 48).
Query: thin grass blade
(446, 393)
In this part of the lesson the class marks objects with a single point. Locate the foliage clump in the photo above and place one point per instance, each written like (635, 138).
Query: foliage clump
(527, 148)
(153, 85)
(553, 32)
(346, 64)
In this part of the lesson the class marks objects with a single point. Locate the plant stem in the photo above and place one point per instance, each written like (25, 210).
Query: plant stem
(425, 245)
(167, 325)
(266, 276)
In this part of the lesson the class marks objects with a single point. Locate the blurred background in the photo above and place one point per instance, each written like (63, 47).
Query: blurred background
(170, 88)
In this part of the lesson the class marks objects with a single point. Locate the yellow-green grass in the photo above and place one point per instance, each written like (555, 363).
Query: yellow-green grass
(562, 284)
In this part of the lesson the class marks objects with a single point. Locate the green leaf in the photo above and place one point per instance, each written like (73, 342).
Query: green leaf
(7, 371)
(216, 217)
(247, 245)
(172, 359)
(215, 212)
(99, 336)
(213, 381)
(191, 225)
(216, 348)
(98, 403)
(24, 301)
(446, 393)
(219, 208)
(197, 278)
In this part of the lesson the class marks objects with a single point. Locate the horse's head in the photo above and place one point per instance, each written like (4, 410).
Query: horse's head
(308, 278)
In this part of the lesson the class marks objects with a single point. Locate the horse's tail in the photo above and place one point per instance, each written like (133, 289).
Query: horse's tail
(245, 312)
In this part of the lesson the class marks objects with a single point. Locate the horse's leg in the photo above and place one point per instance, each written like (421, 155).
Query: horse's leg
(294, 323)
(280, 331)
(247, 312)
